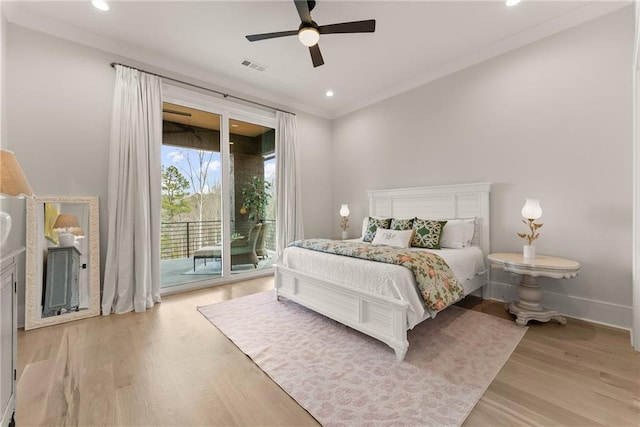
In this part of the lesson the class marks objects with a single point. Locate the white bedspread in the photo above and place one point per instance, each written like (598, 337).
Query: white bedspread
(384, 279)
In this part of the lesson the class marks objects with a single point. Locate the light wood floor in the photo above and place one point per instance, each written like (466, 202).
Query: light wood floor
(170, 366)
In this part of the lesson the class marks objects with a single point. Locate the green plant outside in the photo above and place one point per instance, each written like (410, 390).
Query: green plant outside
(255, 198)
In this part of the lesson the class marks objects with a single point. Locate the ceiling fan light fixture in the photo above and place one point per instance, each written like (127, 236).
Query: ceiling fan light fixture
(101, 5)
(308, 36)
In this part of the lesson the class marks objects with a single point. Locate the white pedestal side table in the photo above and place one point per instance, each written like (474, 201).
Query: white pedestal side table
(529, 291)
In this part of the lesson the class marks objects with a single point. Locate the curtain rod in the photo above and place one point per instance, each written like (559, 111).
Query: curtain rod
(224, 95)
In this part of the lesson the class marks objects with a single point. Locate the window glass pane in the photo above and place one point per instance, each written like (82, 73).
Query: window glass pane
(191, 233)
(253, 197)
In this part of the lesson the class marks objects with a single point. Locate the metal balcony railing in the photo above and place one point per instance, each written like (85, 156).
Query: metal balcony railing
(181, 239)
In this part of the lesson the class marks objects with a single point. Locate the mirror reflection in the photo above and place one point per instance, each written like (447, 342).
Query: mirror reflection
(65, 285)
(62, 260)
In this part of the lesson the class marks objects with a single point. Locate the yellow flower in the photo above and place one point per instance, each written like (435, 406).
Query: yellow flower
(243, 210)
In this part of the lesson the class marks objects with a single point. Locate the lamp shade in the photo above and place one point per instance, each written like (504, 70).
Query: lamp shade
(532, 209)
(13, 183)
(344, 210)
(67, 223)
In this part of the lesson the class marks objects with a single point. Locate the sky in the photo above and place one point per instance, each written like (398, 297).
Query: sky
(174, 156)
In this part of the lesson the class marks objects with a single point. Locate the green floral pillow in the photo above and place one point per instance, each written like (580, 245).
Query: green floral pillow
(401, 224)
(373, 225)
(428, 233)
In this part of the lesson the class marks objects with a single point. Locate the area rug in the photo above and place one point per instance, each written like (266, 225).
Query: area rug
(345, 378)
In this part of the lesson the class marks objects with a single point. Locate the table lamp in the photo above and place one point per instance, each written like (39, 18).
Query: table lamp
(13, 183)
(531, 211)
(66, 225)
(344, 212)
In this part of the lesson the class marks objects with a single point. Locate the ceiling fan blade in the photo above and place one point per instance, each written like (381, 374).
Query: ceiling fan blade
(257, 37)
(304, 11)
(316, 56)
(368, 26)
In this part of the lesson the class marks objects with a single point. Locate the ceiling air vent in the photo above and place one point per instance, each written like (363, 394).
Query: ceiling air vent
(254, 65)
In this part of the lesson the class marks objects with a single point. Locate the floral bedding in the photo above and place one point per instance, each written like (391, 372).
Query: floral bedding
(437, 284)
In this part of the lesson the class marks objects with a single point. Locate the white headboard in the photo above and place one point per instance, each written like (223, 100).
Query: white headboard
(438, 202)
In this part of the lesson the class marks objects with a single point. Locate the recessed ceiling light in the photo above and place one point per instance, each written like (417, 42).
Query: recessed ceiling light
(512, 2)
(233, 125)
(329, 93)
(100, 4)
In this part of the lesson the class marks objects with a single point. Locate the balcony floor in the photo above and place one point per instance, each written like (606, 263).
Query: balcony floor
(179, 271)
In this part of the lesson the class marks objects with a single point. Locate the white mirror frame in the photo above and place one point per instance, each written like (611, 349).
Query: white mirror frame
(33, 314)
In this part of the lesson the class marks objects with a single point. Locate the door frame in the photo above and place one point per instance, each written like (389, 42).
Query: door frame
(227, 110)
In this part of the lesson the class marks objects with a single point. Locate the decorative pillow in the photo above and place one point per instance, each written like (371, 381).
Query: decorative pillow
(395, 238)
(427, 233)
(372, 226)
(365, 224)
(454, 234)
(401, 224)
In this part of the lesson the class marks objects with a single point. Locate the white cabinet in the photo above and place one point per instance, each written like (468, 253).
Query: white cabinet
(8, 336)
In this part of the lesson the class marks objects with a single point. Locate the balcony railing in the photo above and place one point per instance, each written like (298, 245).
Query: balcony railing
(181, 239)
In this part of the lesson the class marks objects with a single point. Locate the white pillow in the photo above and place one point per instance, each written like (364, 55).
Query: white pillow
(457, 233)
(395, 238)
(453, 234)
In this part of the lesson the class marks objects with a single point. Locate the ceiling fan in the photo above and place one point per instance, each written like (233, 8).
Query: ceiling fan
(309, 32)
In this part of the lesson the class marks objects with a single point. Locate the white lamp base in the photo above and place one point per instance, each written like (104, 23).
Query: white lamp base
(5, 227)
(65, 240)
(345, 235)
(529, 252)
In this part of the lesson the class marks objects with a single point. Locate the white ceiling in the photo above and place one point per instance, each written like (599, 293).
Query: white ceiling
(415, 41)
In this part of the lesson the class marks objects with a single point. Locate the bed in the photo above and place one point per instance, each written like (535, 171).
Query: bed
(352, 291)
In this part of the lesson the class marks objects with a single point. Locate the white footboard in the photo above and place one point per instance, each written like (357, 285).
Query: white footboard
(378, 316)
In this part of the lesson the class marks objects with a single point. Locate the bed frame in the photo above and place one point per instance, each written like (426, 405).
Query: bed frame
(382, 317)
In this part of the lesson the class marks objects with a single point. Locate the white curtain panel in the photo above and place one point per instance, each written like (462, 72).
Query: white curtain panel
(289, 212)
(132, 271)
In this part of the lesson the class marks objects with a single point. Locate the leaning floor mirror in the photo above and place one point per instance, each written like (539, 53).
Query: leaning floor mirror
(63, 260)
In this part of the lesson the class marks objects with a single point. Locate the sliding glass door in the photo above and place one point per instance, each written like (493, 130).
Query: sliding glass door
(191, 196)
(252, 178)
(218, 195)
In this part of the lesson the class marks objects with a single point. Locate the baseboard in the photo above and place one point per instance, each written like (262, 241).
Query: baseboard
(601, 312)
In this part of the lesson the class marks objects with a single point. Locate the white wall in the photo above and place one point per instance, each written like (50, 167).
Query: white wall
(635, 337)
(14, 207)
(59, 110)
(3, 75)
(314, 135)
(551, 120)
